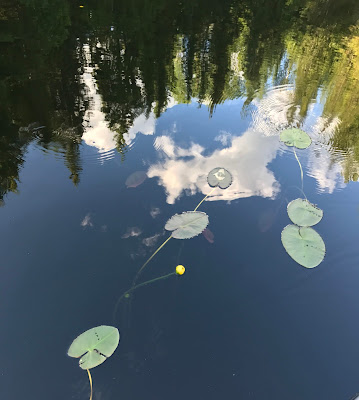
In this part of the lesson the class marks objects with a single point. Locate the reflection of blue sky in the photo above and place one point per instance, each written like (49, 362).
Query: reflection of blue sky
(183, 168)
(245, 146)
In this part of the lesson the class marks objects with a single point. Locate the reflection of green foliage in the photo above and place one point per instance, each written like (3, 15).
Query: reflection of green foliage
(147, 52)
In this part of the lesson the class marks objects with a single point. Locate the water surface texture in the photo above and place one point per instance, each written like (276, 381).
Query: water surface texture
(112, 113)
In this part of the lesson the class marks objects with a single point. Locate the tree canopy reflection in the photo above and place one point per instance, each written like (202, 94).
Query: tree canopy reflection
(147, 54)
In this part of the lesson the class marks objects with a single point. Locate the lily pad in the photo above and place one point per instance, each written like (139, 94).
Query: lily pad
(304, 245)
(95, 346)
(295, 137)
(219, 177)
(303, 213)
(188, 224)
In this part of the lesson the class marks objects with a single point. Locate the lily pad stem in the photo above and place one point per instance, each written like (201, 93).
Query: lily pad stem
(204, 198)
(143, 266)
(90, 379)
(139, 285)
(301, 171)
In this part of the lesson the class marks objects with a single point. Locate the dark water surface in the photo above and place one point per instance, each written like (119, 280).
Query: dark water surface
(111, 116)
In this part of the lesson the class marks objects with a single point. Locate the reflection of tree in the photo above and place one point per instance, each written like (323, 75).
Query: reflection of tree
(39, 84)
(343, 96)
(146, 52)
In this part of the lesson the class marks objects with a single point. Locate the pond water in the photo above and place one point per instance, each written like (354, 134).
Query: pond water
(112, 114)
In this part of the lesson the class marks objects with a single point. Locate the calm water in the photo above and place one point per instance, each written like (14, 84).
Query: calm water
(89, 96)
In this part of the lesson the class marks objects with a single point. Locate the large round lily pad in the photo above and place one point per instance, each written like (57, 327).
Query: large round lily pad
(187, 225)
(295, 137)
(220, 177)
(95, 346)
(304, 245)
(303, 213)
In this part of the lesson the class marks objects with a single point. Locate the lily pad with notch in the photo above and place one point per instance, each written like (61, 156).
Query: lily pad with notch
(219, 177)
(295, 137)
(304, 213)
(304, 245)
(94, 346)
(187, 225)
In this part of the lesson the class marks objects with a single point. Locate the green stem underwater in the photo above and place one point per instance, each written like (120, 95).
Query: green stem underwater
(146, 283)
(143, 266)
(137, 286)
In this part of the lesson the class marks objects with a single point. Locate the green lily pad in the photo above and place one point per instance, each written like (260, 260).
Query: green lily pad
(295, 137)
(304, 245)
(95, 346)
(303, 213)
(188, 224)
(219, 177)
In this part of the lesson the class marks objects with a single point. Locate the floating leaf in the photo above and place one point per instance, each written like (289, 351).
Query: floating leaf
(187, 225)
(95, 346)
(295, 137)
(303, 213)
(304, 245)
(219, 177)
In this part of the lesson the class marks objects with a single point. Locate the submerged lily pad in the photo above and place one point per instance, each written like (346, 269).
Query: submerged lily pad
(95, 346)
(295, 137)
(188, 224)
(219, 177)
(303, 213)
(304, 245)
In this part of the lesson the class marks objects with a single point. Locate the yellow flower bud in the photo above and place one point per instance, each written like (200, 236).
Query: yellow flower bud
(180, 269)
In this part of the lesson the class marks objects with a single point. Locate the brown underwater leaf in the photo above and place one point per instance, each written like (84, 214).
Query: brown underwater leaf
(208, 235)
(136, 179)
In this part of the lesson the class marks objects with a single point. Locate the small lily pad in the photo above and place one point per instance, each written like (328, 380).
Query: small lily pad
(219, 177)
(303, 213)
(304, 245)
(295, 137)
(95, 346)
(188, 224)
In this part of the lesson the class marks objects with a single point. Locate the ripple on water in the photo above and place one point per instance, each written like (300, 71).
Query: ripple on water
(329, 166)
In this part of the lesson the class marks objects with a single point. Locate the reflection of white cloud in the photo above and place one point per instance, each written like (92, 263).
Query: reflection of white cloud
(224, 137)
(132, 232)
(87, 221)
(141, 124)
(96, 131)
(246, 159)
(326, 172)
(271, 112)
(151, 241)
(324, 165)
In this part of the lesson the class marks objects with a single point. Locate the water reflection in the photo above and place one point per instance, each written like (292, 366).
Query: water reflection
(247, 159)
(101, 74)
